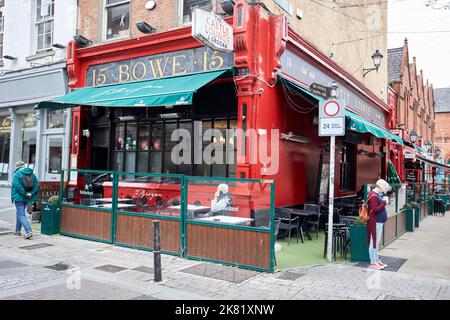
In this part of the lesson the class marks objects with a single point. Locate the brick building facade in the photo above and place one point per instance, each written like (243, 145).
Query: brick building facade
(442, 138)
(414, 95)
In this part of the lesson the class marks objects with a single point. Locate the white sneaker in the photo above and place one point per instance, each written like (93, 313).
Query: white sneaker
(28, 235)
(382, 264)
(375, 266)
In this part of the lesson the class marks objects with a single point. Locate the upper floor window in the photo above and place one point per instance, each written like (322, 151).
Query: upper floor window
(2, 3)
(187, 6)
(45, 12)
(117, 19)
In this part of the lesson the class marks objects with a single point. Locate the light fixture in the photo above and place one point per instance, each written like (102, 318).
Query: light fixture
(437, 151)
(81, 41)
(362, 151)
(296, 138)
(376, 57)
(7, 57)
(58, 45)
(150, 5)
(413, 136)
(227, 6)
(401, 126)
(86, 133)
(168, 115)
(127, 118)
(333, 91)
(144, 27)
(428, 145)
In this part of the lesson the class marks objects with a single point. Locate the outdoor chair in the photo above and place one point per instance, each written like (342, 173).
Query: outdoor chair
(313, 220)
(88, 202)
(340, 241)
(288, 222)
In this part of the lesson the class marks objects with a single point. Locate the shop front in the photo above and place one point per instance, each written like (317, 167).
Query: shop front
(164, 127)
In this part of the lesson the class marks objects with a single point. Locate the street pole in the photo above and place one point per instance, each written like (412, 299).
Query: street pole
(156, 252)
(331, 199)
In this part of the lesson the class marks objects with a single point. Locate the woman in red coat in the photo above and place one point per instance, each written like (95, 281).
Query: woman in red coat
(377, 218)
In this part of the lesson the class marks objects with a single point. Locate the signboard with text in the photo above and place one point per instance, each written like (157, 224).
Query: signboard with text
(331, 118)
(156, 66)
(212, 30)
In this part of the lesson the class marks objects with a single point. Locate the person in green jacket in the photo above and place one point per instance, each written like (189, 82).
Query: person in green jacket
(23, 191)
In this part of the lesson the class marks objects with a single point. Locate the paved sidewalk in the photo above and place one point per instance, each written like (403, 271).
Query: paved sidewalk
(102, 271)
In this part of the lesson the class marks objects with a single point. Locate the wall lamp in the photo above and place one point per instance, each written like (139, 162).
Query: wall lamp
(227, 6)
(428, 145)
(437, 151)
(144, 27)
(82, 41)
(296, 138)
(58, 45)
(7, 57)
(401, 126)
(413, 136)
(376, 57)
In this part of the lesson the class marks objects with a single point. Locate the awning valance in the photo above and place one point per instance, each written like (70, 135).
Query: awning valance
(158, 92)
(356, 122)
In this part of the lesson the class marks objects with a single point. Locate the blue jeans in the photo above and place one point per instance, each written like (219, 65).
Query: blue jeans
(21, 219)
(373, 252)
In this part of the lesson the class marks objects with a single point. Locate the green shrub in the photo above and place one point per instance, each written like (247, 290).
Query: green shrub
(414, 205)
(407, 206)
(53, 200)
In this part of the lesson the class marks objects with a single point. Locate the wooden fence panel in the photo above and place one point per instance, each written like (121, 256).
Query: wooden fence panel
(85, 222)
(243, 247)
(138, 231)
(401, 223)
(389, 230)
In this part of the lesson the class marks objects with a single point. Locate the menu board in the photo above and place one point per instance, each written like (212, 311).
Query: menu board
(324, 182)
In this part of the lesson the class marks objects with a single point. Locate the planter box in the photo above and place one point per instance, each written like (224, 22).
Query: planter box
(410, 220)
(51, 218)
(430, 208)
(358, 243)
(416, 217)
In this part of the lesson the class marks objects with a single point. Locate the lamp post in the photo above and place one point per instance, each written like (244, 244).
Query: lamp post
(413, 136)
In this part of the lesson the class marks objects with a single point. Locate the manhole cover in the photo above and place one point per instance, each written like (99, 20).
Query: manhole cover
(110, 268)
(220, 272)
(144, 269)
(290, 276)
(58, 267)
(7, 264)
(36, 246)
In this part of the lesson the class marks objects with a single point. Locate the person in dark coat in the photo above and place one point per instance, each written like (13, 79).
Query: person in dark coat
(377, 218)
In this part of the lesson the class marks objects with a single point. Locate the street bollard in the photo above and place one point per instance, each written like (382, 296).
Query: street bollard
(156, 252)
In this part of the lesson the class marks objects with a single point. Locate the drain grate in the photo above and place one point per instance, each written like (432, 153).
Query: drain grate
(290, 276)
(394, 264)
(36, 246)
(110, 268)
(58, 267)
(220, 272)
(144, 269)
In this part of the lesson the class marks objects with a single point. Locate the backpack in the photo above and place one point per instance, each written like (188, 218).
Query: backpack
(363, 212)
(28, 182)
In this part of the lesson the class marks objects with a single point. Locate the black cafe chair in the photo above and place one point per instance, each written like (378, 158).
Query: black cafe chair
(313, 220)
(288, 222)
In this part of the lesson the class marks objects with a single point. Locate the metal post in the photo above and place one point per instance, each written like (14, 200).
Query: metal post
(156, 252)
(331, 199)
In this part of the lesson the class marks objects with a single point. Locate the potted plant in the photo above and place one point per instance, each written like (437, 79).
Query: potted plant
(358, 241)
(51, 216)
(409, 211)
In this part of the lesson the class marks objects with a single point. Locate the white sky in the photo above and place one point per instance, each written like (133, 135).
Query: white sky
(432, 50)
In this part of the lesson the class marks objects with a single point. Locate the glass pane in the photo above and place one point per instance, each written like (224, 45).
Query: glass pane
(117, 161)
(55, 119)
(130, 163)
(40, 28)
(155, 162)
(108, 2)
(5, 135)
(203, 170)
(40, 44)
(169, 166)
(143, 138)
(48, 40)
(131, 139)
(118, 21)
(168, 144)
(142, 165)
(189, 5)
(54, 155)
(120, 133)
(156, 136)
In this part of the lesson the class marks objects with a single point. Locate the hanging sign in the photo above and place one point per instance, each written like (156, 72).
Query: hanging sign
(212, 31)
(332, 118)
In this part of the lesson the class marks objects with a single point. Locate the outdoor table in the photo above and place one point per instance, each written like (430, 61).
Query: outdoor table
(228, 220)
(304, 215)
(192, 208)
(119, 205)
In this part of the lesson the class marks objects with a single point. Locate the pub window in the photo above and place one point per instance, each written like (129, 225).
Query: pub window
(2, 23)
(347, 167)
(117, 18)
(55, 119)
(187, 6)
(5, 137)
(54, 155)
(45, 11)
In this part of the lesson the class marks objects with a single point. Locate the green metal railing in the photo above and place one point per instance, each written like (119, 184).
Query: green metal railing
(181, 187)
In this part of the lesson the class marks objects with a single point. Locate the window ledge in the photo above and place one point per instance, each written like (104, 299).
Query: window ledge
(40, 55)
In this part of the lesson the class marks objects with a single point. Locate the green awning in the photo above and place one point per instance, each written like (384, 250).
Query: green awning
(360, 124)
(393, 177)
(419, 148)
(158, 92)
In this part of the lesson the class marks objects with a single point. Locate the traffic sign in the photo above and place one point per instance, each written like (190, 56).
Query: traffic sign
(320, 90)
(332, 118)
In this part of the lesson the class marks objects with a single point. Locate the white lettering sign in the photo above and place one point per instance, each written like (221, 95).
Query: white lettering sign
(212, 31)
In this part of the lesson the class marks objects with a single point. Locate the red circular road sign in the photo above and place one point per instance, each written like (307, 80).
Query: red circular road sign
(331, 108)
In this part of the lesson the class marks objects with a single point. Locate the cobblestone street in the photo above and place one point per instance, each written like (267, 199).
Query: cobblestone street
(91, 270)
